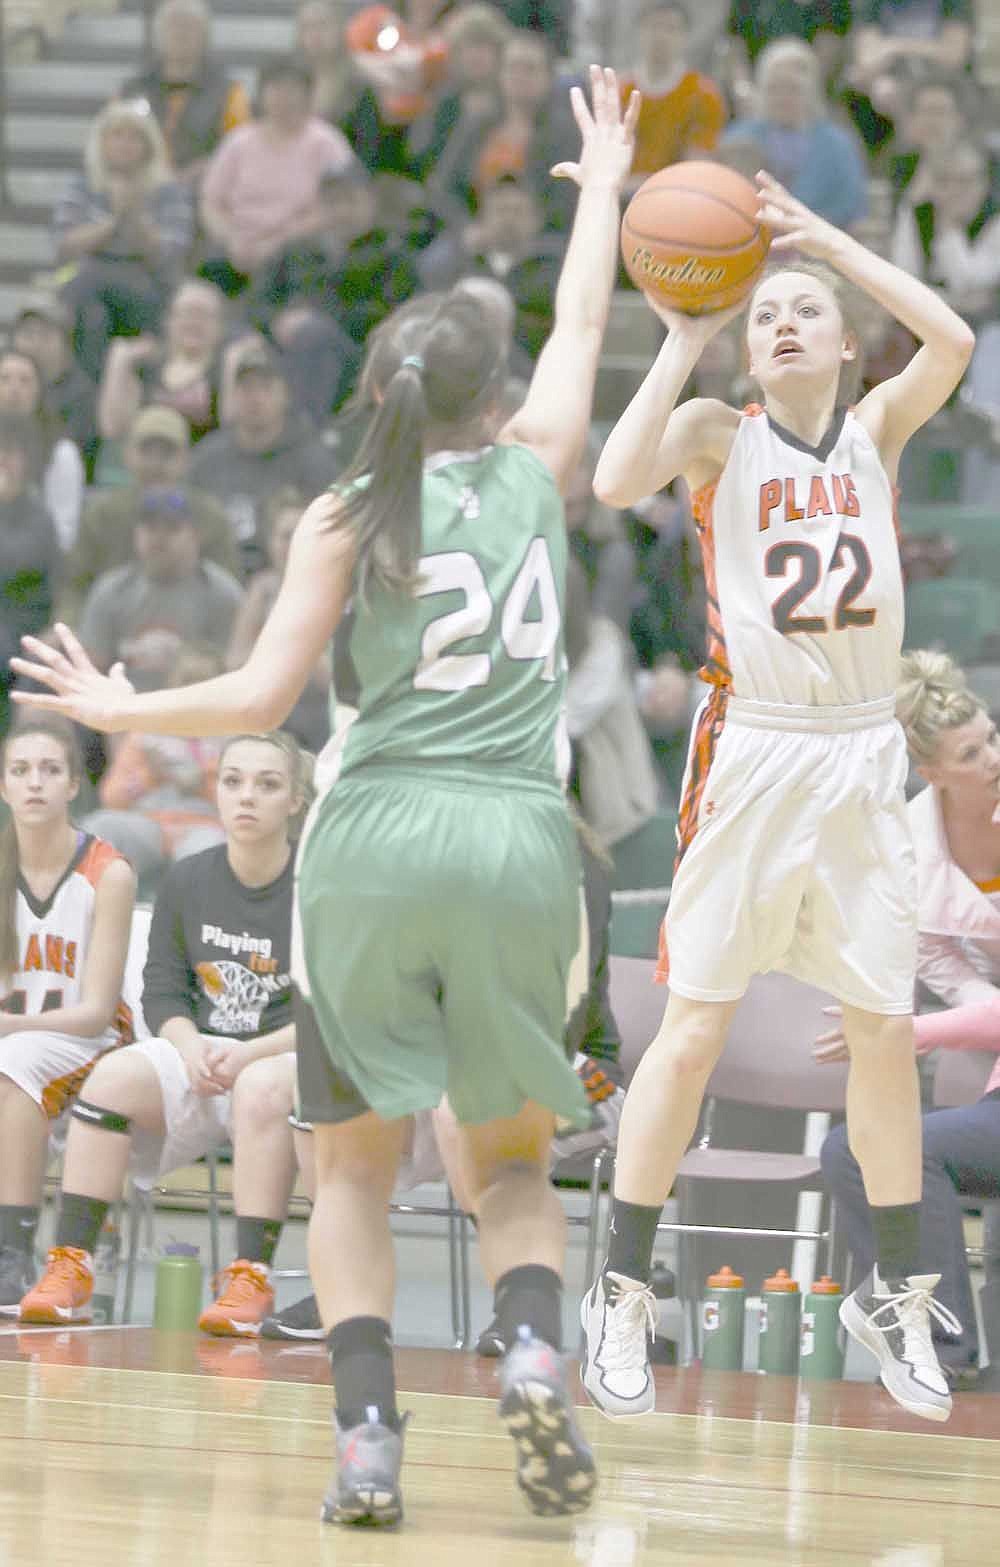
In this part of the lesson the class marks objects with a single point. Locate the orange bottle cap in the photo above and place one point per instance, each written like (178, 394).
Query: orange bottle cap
(825, 1286)
(781, 1282)
(725, 1279)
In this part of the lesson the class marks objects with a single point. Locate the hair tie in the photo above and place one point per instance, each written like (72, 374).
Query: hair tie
(413, 362)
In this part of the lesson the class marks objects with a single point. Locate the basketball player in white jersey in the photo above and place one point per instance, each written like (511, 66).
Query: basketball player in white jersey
(794, 852)
(66, 903)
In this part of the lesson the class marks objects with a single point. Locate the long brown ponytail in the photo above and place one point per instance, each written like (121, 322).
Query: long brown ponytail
(62, 731)
(434, 365)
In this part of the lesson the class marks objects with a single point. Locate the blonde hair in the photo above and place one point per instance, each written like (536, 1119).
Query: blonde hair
(791, 51)
(137, 113)
(301, 768)
(932, 697)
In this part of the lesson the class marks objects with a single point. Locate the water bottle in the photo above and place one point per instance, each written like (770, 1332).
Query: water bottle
(780, 1327)
(723, 1310)
(822, 1350)
(179, 1281)
(102, 1303)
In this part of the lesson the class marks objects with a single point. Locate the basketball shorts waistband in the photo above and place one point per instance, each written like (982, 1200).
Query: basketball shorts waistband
(808, 719)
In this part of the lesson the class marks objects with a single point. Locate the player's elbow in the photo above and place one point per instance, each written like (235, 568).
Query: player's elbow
(961, 343)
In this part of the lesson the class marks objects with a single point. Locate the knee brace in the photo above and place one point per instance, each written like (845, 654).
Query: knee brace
(97, 1116)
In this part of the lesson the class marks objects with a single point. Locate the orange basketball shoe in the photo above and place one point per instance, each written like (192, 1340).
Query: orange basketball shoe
(246, 1298)
(63, 1292)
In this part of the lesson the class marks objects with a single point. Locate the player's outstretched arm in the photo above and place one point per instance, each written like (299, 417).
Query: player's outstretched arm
(555, 416)
(257, 696)
(899, 407)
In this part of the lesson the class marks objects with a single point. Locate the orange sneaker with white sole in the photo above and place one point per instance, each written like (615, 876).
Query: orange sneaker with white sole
(63, 1292)
(245, 1299)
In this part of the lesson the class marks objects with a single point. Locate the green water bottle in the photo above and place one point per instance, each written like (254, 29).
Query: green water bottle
(178, 1288)
(723, 1311)
(822, 1351)
(780, 1310)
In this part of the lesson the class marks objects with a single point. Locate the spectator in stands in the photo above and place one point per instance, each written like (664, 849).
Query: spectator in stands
(818, 161)
(65, 913)
(951, 237)
(320, 39)
(157, 457)
(309, 720)
(506, 241)
(217, 995)
(259, 192)
(183, 370)
(43, 329)
(553, 19)
(896, 42)
(756, 23)
(125, 227)
(532, 132)
(956, 831)
(143, 613)
(934, 119)
(401, 58)
(195, 100)
(266, 447)
(682, 112)
(349, 272)
(62, 479)
(158, 793)
(29, 551)
(476, 35)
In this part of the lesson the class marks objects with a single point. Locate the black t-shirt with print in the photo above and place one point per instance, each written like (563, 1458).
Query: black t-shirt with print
(220, 952)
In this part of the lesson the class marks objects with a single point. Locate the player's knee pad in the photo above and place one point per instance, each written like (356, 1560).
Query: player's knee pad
(103, 1120)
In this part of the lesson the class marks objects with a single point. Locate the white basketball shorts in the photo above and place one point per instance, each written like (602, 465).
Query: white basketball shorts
(794, 854)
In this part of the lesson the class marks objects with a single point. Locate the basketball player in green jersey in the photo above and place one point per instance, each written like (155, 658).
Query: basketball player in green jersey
(438, 903)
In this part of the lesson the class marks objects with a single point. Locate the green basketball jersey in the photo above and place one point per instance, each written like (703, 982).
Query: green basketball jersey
(470, 670)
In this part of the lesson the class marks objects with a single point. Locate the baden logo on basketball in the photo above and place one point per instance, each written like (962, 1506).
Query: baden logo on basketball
(692, 270)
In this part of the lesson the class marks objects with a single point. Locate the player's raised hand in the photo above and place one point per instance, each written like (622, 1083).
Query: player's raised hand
(76, 687)
(793, 225)
(608, 135)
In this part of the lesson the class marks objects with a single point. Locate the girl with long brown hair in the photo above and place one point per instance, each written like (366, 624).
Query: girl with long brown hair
(66, 902)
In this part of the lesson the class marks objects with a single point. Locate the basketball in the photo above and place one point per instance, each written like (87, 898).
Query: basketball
(690, 236)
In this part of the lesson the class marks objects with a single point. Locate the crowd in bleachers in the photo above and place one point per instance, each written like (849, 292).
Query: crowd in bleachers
(222, 258)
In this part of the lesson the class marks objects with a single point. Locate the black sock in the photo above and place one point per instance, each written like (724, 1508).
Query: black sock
(632, 1238)
(897, 1239)
(256, 1239)
(17, 1228)
(363, 1374)
(529, 1297)
(80, 1220)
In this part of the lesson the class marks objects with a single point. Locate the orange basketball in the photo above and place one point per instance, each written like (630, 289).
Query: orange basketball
(690, 236)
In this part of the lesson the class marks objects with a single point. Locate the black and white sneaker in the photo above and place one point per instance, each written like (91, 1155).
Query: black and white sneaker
(17, 1276)
(618, 1317)
(892, 1318)
(300, 1321)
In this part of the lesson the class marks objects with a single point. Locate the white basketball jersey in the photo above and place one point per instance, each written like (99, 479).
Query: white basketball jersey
(53, 937)
(802, 570)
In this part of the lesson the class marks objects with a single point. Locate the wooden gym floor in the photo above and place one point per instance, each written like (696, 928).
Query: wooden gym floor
(121, 1445)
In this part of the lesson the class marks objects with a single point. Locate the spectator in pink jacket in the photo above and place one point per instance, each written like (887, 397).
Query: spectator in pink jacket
(956, 830)
(260, 190)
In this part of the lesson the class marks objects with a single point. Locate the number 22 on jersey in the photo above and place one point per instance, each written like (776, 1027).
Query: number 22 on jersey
(457, 571)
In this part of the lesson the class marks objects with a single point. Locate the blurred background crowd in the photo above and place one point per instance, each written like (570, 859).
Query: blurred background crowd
(209, 209)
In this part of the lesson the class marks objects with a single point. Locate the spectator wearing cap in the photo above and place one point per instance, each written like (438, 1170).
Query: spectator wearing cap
(682, 112)
(43, 329)
(259, 192)
(181, 370)
(264, 445)
(157, 456)
(163, 599)
(125, 227)
(196, 101)
(349, 273)
(29, 552)
(61, 476)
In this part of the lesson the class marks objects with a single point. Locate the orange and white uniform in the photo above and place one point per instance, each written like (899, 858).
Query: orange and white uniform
(53, 939)
(794, 848)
